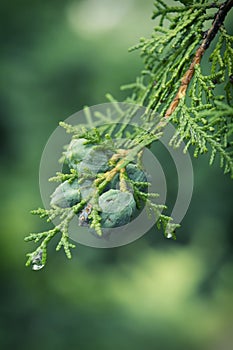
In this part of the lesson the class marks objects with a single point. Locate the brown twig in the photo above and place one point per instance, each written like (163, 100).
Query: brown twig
(218, 21)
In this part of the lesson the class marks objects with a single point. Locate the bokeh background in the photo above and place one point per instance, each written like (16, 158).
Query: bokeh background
(56, 57)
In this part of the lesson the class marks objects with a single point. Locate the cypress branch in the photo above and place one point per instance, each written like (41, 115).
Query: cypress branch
(173, 88)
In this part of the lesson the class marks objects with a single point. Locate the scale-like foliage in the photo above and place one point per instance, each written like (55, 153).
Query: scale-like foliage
(203, 117)
(174, 87)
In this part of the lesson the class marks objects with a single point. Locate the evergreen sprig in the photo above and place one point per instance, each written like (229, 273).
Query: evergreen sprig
(174, 87)
(65, 216)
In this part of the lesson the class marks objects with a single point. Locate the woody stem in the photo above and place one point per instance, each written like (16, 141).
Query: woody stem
(218, 21)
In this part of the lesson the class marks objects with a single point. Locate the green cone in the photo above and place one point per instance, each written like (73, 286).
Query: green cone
(86, 189)
(117, 208)
(95, 161)
(135, 174)
(66, 194)
(76, 152)
(85, 158)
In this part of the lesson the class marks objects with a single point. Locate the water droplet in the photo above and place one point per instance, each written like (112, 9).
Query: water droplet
(37, 261)
(36, 267)
(169, 235)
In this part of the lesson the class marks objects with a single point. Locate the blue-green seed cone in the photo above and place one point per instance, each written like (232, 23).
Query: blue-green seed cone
(117, 208)
(86, 159)
(76, 152)
(86, 189)
(66, 194)
(135, 174)
(95, 161)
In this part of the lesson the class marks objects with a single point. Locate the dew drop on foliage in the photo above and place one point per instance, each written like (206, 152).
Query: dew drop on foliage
(37, 261)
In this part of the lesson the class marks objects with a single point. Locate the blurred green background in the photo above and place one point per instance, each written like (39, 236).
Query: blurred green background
(56, 57)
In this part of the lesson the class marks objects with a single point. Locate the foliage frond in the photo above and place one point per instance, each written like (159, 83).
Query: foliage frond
(175, 87)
